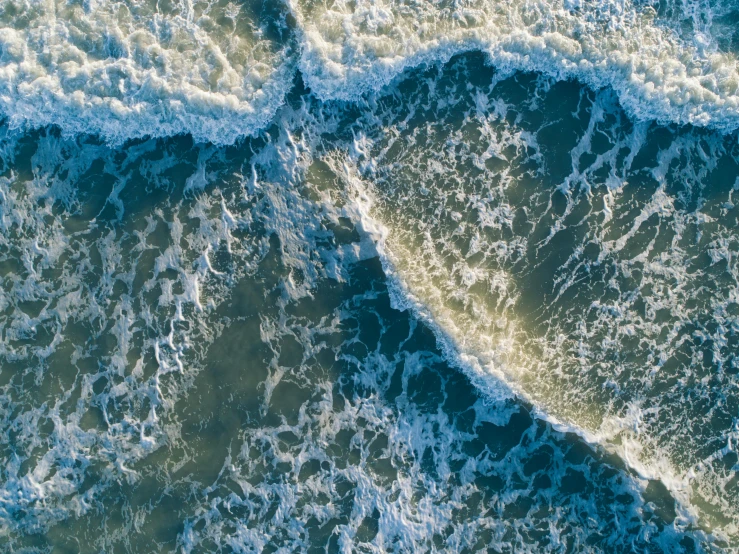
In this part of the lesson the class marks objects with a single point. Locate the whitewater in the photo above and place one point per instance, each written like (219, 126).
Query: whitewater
(219, 71)
(369, 276)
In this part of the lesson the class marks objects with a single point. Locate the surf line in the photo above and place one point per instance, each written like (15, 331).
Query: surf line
(493, 383)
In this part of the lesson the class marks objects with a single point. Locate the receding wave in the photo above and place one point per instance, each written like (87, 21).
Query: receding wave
(584, 261)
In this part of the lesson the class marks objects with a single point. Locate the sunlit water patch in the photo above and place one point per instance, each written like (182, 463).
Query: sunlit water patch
(201, 368)
(585, 260)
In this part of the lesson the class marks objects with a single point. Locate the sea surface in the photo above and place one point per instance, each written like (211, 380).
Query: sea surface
(369, 276)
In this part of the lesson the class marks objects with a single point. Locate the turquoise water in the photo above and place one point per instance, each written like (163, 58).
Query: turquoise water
(369, 277)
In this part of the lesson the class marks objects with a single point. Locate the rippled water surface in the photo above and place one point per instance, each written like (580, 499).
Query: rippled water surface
(371, 276)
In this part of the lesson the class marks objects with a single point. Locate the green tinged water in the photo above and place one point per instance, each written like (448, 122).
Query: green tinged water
(468, 313)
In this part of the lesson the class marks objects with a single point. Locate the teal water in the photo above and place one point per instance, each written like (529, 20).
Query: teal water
(250, 304)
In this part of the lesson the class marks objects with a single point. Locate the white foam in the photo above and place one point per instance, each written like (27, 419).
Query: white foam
(349, 48)
(127, 70)
(123, 71)
(406, 186)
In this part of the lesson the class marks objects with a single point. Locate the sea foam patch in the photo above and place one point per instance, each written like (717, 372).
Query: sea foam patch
(122, 70)
(657, 72)
(592, 272)
(219, 338)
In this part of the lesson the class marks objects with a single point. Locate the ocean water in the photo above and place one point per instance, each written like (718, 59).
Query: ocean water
(369, 276)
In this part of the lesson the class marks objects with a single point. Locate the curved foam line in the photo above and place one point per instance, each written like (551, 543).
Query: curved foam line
(701, 89)
(698, 87)
(496, 385)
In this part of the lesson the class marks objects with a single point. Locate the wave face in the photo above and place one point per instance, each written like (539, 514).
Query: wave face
(369, 277)
(585, 260)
